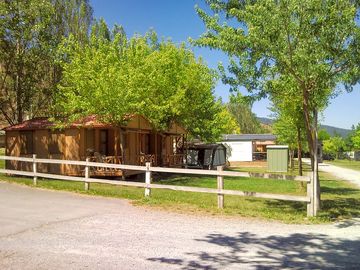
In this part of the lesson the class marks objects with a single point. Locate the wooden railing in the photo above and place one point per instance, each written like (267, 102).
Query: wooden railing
(107, 160)
(144, 158)
(219, 173)
(173, 160)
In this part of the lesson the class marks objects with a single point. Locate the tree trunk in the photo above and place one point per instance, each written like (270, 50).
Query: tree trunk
(17, 87)
(122, 145)
(316, 163)
(311, 132)
(292, 159)
(299, 151)
(122, 149)
(308, 126)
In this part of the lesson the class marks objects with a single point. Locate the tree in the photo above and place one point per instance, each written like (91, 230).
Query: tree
(289, 129)
(323, 135)
(113, 76)
(30, 32)
(334, 146)
(226, 121)
(356, 139)
(353, 138)
(313, 43)
(245, 118)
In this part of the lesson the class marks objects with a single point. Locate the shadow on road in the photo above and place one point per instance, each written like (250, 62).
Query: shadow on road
(296, 251)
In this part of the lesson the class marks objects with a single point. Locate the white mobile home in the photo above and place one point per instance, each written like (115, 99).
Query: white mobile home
(247, 147)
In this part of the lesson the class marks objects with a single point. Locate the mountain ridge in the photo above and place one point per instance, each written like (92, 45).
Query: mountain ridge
(330, 129)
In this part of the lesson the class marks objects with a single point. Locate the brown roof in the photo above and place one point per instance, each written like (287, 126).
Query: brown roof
(45, 123)
(88, 121)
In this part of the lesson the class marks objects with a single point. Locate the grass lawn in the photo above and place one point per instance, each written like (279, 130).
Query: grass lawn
(340, 199)
(349, 164)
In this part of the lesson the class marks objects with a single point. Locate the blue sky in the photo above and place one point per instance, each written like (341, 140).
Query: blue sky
(177, 19)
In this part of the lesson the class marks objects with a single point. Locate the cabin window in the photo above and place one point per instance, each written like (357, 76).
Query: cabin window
(55, 142)
(104, 142)
(26, 142)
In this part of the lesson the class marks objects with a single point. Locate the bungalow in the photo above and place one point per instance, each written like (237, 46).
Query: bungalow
(247, 147)
(134, 143)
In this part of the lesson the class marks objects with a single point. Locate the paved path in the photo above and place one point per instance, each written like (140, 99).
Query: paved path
(42, 229)
(339, 172)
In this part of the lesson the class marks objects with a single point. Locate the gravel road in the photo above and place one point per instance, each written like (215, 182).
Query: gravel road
(341, 173)
(42, 229)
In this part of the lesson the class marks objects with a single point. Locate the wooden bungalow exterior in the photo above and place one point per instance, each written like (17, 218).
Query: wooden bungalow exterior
(133, 144)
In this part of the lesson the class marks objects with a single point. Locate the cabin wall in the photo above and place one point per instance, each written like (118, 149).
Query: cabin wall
(16, 146)
(111, 142)
(82, 150)
(73, 143)
(72, 150)
(56, 150)
(12, 149)
(132, 148)
(41, 148)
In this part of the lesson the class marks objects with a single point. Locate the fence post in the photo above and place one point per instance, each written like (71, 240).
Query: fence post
(147, 179)
(87, 174)
(34, 170)
(310, 193)
(220, 186)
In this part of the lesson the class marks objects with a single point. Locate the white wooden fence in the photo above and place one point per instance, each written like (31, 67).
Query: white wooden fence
(148, 169)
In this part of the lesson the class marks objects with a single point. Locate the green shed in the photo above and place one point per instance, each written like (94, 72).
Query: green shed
(277, 158)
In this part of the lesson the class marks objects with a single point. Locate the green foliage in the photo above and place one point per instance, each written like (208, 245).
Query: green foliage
(30, 32)
(356, 139)
(226, 122)
(334, 145)
(240, 108)
(351, 138)
(113, 76)
(285, 131)
(323, 135)
(311, 45)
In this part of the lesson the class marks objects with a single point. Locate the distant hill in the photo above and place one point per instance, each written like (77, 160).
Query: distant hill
(335, 130)
(330, 129)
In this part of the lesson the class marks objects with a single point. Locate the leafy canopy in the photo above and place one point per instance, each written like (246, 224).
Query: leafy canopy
(356, 139)
(240, 108)
(311, 45)
(30, 32)
(113, 76)
(334, 145)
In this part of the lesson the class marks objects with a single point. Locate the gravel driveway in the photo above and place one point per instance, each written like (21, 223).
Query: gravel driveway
(42, 229)
(341, 173)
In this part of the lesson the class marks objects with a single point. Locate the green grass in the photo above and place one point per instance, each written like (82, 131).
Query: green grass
(339, 198)
(349, 164)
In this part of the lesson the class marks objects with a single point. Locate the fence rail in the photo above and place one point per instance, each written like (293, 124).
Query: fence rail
(148, 169)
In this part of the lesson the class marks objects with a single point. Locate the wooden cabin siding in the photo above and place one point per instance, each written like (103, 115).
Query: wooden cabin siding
(12, 149)
(41, 138)
(111, 142)
(139, 122)
(72, 150)
(134, 144)
(56, 150)
(131, 148)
